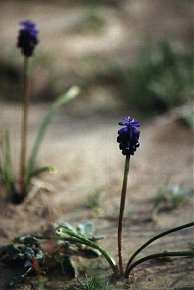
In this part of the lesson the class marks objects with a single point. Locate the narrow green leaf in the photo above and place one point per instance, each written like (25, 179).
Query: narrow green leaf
(41, 170)
(61, 100)
(6, 167)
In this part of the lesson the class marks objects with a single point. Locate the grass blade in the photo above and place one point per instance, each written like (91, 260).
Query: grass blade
(61, 100)
(6, 166)
(41, 170)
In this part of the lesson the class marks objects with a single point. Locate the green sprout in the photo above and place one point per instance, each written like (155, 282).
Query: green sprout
(170, 197)
(94, 199)
(84, 236)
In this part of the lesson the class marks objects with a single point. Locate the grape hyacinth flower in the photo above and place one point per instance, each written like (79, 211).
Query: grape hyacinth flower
(27, 38)
(128, 138)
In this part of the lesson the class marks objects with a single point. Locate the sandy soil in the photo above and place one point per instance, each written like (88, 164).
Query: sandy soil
(87, 158)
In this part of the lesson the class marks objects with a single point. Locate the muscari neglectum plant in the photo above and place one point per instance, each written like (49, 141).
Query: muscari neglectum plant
(18, 188)
(128, 139)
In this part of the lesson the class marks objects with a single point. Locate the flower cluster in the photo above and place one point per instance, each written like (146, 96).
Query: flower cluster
(128, 136)
(27, 38)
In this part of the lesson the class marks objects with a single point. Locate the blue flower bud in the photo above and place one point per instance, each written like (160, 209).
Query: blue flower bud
(27, 38)
(128, 136)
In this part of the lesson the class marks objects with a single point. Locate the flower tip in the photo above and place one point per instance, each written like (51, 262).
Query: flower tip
(128, 136)
(74, 91)
(28, 37)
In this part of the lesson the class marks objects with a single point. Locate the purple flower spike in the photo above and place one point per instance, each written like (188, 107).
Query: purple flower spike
(27, 38)
(128, 136)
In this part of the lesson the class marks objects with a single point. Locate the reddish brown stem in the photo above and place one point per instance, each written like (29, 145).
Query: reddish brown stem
(121, 213)
(24, 127)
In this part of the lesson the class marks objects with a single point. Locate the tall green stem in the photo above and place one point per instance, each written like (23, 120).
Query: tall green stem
(121, 213)
(24, 126)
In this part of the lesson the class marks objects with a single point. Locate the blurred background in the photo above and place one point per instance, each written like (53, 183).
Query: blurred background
(129, 57)
(125, 55)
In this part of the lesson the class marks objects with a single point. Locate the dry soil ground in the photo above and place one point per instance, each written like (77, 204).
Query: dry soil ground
(87, 158)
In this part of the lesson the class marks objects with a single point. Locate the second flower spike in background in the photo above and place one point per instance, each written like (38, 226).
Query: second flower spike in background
(27, 38)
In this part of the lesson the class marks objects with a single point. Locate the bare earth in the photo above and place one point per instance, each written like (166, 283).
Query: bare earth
(87, 158)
